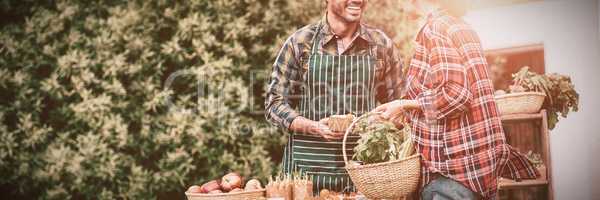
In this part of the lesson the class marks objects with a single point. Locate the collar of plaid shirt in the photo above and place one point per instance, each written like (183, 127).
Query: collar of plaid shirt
(328, 35)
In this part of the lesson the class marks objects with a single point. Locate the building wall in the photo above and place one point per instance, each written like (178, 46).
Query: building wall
(570, 33)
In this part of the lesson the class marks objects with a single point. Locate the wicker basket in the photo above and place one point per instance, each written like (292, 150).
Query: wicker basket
(247, 195)
(520, 103)
(387, 180)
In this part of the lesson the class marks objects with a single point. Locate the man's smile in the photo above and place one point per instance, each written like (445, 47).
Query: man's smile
(354, 9)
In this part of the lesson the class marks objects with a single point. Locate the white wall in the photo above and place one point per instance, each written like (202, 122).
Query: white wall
(570, 32)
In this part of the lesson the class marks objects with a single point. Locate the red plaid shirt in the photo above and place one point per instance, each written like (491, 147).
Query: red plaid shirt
(458, 130)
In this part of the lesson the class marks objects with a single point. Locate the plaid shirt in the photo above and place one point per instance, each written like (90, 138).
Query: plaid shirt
(459, 131)
(287, 78)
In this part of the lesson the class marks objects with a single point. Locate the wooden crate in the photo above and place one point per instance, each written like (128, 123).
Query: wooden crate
(528, 132)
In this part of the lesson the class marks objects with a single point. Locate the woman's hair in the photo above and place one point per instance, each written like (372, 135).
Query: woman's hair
(457, 8)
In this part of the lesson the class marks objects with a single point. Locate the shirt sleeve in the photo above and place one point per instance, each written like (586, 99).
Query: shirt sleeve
(448, 90)
(286, 73)
(518, 167)
(390, 87)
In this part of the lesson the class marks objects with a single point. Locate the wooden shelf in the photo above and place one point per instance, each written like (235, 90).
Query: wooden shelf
(521, 127)
(504, 184)
(519, 117)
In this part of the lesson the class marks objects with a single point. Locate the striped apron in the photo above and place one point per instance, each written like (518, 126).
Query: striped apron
(334, 84)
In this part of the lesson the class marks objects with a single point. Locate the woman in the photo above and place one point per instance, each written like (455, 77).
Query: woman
(451, 107)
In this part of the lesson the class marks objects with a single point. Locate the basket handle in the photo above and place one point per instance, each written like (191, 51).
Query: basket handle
(349, 130)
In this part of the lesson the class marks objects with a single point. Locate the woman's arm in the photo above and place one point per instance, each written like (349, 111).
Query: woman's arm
(447, 90)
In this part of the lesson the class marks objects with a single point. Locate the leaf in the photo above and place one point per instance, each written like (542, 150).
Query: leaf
(561, 96)
(381, 141)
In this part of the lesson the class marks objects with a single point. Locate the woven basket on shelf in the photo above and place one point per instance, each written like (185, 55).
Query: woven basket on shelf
(246, 195)
(387, 180)
(520, 103)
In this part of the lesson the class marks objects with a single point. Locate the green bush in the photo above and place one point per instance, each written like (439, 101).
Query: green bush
(138, 99)
(100, 98)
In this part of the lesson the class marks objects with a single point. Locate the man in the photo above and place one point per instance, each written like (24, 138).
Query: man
(454, 118)
(335, 66)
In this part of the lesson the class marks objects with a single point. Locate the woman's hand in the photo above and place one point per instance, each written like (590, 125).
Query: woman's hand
(393, 110)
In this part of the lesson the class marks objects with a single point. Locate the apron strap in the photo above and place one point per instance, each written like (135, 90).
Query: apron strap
(316, 39)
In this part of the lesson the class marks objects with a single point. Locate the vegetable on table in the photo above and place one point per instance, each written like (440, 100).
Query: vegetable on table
(229, 183)
(281, 187)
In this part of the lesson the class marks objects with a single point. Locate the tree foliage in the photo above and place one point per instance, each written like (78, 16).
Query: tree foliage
(100, 98)
(137, 99)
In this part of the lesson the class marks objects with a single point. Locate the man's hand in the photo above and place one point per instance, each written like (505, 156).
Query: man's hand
(326, 133)
(319, 128)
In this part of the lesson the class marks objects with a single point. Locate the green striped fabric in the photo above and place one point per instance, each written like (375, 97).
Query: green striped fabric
(335, 84)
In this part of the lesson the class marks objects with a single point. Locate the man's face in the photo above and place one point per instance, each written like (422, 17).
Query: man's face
(348, 10)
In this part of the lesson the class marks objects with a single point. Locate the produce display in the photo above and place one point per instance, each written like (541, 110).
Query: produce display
(230, 183)
(561, 97)
(303, 187)
(381, 141)
(535, 159)
(214, 185)
(296, 186)
(281, 187)
(195, 189)
(253, 184)
(329, 195)
(538, 162)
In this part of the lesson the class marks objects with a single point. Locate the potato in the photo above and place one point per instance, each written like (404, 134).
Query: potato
(236, 190)
(253, 184)
(195, 189)
(324, 193)
(215, 192)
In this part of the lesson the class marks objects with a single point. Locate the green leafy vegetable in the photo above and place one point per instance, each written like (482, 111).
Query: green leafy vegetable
(561, 97)
(381, 141)
(535, 159)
